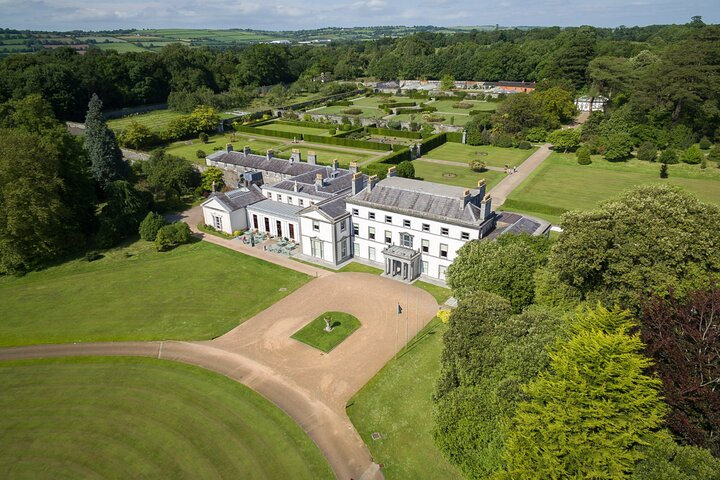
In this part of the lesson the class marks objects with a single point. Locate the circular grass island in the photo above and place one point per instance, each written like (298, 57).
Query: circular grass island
(120, 417)
(314, 333)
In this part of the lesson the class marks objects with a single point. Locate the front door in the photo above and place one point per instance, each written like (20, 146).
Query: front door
(292, 231)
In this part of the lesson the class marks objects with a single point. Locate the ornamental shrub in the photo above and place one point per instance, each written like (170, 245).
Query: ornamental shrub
(170, 236)
(150, 226)
(583, 156)
(705, 143)
(352, 111)
(406, 169)
(668, 156)
(200, 154)
(647, 151)
(524, 145)
(203, 137)
(692, 155)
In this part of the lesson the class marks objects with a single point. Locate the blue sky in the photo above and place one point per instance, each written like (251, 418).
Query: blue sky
(298, 14)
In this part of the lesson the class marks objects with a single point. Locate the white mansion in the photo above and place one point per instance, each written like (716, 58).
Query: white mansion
(408, 227)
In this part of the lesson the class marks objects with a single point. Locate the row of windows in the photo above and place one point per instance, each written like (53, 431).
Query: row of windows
(289, 199)
(424, 264)
(406, 240)
(407, 224)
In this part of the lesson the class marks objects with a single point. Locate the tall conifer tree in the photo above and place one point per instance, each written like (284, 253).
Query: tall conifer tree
(102, 147)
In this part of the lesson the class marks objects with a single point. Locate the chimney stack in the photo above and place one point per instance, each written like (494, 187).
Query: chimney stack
(296, 155)
(482, 186)
(486, 206)
(335, 164)
(295, 186)
(229, 147)
(466, 197)
(312, 157)
(353, 167)
(357, 183)
(270, 155)
(372, 182)
(246, 150)
(392, 172)
(318, 180)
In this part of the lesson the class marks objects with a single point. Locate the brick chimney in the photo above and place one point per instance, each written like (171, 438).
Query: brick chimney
(246, 150)
(270, 155)
(353, 167)
(466, 197)
(296, 155)
(482, 187)
(229, 147)
(357, 183)
(392, 172)
(335, 164)
(312, 157)
(372, 182)
(318, 180)
(486, 206)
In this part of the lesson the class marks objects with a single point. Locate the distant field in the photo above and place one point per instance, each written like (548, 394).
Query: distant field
(120, 47)
(460, 176)
(492, 156)
(281, 127)
(100, 39)
(119, 417)
(561, 183)
(156, 120)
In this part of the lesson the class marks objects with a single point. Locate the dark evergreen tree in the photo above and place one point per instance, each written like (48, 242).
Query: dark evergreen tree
(102, 149)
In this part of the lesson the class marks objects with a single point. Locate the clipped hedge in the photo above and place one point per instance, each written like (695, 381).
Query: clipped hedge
(340, 103)
(533, 207)
(347, 142)
(397, 105)
(376, 168)
(389, 132)
(432, 142)
(345, 133)
(455, 137)
(395, 157)
(302, 123)
(267, 133)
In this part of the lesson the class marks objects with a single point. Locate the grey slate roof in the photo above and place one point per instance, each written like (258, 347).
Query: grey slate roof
(433, 201)
(239, 198)
(259, 162)
(277, 209)
(509, 222)
(334, 208)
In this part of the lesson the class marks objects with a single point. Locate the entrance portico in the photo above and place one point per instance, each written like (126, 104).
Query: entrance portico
(402, 263)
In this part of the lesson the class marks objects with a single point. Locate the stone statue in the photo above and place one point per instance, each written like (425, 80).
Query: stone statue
(328, 326)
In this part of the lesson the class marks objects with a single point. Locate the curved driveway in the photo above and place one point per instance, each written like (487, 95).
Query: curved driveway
(311, 386)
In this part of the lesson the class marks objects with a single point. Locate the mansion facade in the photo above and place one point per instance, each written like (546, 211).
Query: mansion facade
(409, 228)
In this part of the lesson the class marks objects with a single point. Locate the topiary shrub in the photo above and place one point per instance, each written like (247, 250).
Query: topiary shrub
(464, 105)
(150, 226)
(352, 111)
(203, 137)
(406, 169)
(200, 154)
(524, 145)
(583, 156)
(170, 236)
(477, 165)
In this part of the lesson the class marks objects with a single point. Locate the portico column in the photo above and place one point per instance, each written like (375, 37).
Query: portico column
(387, 266)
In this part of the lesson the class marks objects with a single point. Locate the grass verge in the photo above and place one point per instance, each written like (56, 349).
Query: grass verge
(314, 334)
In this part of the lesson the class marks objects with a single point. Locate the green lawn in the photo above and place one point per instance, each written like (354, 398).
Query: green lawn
(188, 148)
(440, 293)
(560, 183)
(360, 267)
(118, 418)
(397, 403)
(156, 120)
(314, 334)
(460, 176)
(326, 154)
(492, 156)
(197, 291)
(281, 127)
(446, 106)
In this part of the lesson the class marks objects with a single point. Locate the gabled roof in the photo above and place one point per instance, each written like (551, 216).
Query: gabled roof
(236, 199)
(259, 162)
(332, 208)
(443, 203)
(334, 182)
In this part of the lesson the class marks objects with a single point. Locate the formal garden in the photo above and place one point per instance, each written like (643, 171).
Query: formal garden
(120, 417)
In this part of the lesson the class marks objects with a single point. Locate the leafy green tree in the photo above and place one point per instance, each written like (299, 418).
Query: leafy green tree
(101, 146)
(611, 75)
(714, 154)
(705, 143)
(558, 104)
(565, 139)
(170, 236)
(520, 112)
(636, 244)
(138, 136)
(126, 207)
(503, 353)
(668, 157)
(151, 224)
(590, 411)
(647, 151)
(618, 148)
(447, 83)
(663, 458)
(212, 179)
(693, 155)
(505, 267)
(583, 156)
(171, 174)
(32, 113)
(39, 220)
(406, 169)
